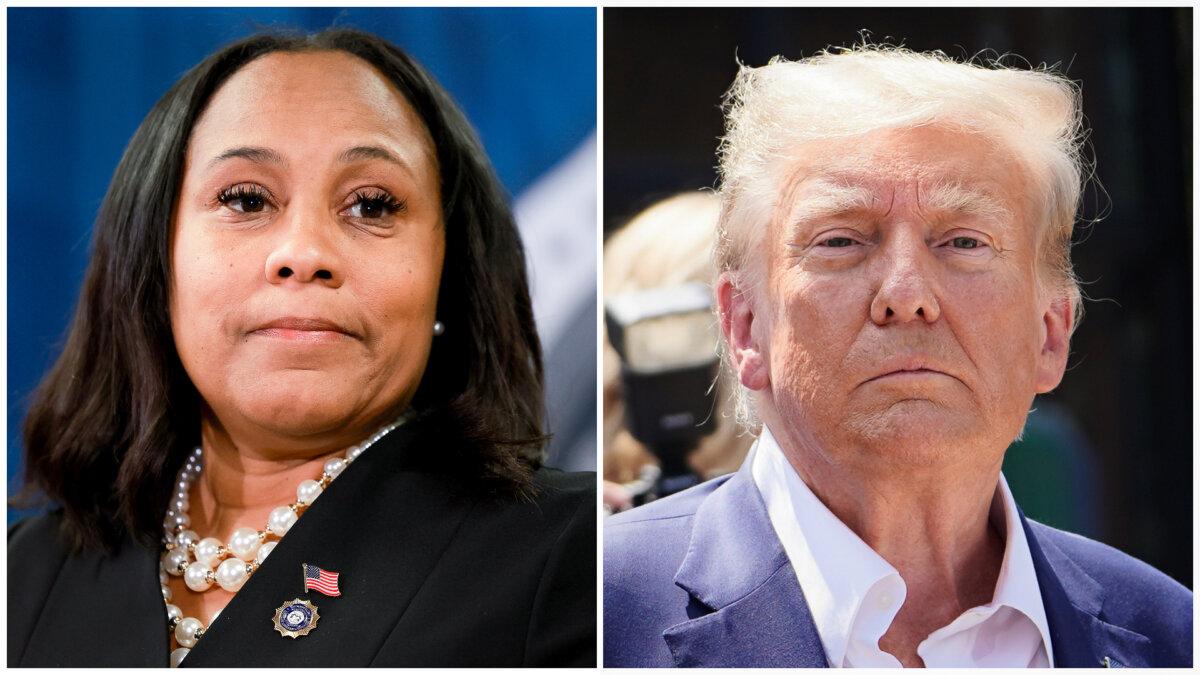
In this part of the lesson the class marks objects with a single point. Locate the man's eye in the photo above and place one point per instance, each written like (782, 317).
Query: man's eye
(838, 242)
(243, 199)
(966, 242)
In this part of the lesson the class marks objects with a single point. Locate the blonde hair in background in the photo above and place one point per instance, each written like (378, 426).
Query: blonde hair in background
(842, 93)
(668, 243)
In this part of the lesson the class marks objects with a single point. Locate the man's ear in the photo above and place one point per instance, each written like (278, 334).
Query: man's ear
(737, 320)
(1057, 321)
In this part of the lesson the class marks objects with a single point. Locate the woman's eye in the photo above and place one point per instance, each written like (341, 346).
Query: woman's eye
(373, 206)
(369, 208)
(243, 199)
(837, 242)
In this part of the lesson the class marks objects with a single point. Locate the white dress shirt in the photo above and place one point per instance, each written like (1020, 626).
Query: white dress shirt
(854, 594)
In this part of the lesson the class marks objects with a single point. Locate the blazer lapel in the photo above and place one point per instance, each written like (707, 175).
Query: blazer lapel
(104, 610)
(748, 606)
(382, 525)
(749, 609)
(1074, 603)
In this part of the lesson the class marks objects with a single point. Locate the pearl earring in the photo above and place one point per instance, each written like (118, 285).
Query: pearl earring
(438, 328)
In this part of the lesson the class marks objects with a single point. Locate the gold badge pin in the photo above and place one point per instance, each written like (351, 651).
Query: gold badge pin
(296, 617)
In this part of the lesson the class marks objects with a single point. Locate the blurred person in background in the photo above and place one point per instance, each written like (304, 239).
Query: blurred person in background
(667, 244)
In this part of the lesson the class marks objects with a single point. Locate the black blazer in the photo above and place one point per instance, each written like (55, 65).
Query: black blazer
(433, 573)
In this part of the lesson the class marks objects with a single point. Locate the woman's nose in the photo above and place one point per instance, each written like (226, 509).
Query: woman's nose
(303, 253)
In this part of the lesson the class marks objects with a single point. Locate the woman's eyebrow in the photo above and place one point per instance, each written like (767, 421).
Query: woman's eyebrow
(365, 152)
(358, 153)
(254, 154)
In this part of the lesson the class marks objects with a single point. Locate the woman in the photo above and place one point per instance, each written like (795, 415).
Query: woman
(297, 420)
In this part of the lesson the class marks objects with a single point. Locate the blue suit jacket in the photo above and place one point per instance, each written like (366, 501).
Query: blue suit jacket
(701, 579)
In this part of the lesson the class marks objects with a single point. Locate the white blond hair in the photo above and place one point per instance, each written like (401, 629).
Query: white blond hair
(848, 92)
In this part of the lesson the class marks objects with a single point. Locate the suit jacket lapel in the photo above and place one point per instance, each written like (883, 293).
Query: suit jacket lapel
(105, 611)
(1074, 603)
(382, 525)
(747, 604)
(749, 610)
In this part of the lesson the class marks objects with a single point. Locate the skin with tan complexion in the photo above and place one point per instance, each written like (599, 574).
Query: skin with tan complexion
(307, 251)
(894, 340)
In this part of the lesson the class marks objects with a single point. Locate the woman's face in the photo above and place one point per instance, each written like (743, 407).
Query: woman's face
(306, 252)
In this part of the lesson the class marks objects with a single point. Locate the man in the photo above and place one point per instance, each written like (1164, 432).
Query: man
(894, 289)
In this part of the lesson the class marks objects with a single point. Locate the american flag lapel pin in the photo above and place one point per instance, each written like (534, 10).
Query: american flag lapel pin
(298, 617)
(321, 581)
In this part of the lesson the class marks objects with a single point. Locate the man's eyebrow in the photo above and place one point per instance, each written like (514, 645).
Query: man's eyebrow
(252, 153)
(826, 198)
(367, 152)
(958, 198)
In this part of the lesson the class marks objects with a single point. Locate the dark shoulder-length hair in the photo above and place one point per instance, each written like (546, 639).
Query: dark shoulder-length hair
(111, 422)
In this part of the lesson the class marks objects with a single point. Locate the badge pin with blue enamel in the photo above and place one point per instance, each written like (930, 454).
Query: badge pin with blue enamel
(296, 617)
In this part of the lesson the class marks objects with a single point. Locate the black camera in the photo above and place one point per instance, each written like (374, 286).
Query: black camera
(667, 343)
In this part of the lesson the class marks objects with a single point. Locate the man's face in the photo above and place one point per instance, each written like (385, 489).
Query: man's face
(899, 317)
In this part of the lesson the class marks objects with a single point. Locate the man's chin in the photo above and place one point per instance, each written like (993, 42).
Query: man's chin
(915, 432)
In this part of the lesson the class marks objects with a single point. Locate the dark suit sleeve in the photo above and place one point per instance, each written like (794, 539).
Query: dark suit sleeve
(562, 626)
(35, 556)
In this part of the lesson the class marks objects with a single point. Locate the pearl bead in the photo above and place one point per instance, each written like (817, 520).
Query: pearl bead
(174, 612)
(186, 538)
(166, 593)
(177, 656)
(185, 632)
(208, 550)
(179, 504)
(183, 485)
(231, 575)
(264, 551)
(162, 577)
(281, 520)
(197, 577)
(174, 560)
(309, 490)
(214, 618)
(334, 466)
(176, 521)
(353, 453)
(244, 543)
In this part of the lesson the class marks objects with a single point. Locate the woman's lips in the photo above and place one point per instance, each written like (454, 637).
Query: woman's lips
(303, 329)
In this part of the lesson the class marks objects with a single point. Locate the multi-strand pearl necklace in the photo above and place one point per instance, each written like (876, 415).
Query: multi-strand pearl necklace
(187, 555)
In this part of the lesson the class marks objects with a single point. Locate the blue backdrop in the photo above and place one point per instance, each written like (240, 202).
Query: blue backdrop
(81, 80)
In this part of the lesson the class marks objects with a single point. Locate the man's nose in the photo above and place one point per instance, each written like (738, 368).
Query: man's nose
(304, 250)
(908, 289)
